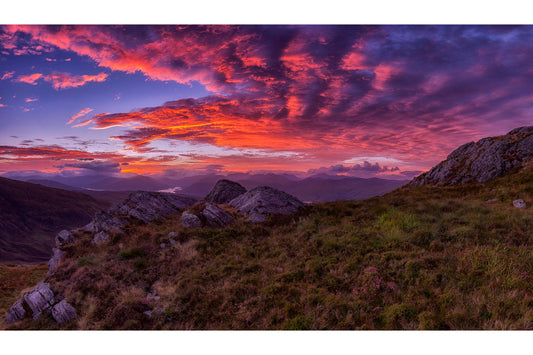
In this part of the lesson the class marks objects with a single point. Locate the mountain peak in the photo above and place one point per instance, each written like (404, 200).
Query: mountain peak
(482, 161)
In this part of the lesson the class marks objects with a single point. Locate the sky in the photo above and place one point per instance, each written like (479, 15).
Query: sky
(367, 101)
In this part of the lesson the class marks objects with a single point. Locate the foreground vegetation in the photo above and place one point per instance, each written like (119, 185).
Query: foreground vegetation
(416, 258)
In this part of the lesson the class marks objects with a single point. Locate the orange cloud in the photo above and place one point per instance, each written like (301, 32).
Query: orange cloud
(83, 112)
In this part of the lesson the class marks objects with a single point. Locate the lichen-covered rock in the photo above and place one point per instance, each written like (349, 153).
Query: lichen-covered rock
(224, 191)
(519, 203)
(16, 312)
(172, 235)
(482, 161)
(64, 237)
(54, 261)
(190, 220)
(148, 206)
(40, 299)
(105, 222)
(215, 217)
(100, 237)
(63, 312)
(263, 200)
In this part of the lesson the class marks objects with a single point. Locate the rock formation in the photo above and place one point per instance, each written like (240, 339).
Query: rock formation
(148, 206)
(100, 237)
(482, 161)
(210, 215)
(54, 261)
(263, 200)
(190, 220)
(41, 300)
(224, 191)
(216, 217)
(105, 222)
(64, 237)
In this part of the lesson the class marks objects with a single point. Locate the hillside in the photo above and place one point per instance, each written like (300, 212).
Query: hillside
(113, 197)
(434, 256)
(430, 257)
(482, 161)
(31, 215)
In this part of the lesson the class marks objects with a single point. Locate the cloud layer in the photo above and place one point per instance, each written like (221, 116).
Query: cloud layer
(329, 94)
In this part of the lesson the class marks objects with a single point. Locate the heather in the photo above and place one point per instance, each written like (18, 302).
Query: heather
(417, 258)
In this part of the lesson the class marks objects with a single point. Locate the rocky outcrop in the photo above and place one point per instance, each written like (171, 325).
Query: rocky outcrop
(105, 222)
(216, 217)
(209, 215)
(16, 312)
(224, 191)
(263, 200)
(148, 206)
(63, 312)
(54, 261)
(519, 203)
(100, 237)
(482, 161)
(190, 220)
(64, 237)
(41, 300)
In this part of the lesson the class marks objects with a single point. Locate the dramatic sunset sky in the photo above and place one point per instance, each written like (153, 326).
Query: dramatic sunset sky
(385, 101)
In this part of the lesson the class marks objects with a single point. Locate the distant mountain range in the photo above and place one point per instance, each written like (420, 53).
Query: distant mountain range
(316, 188)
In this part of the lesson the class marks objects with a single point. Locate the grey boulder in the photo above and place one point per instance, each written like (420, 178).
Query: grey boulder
(257, 203)
(54, 261)
(16, 312)
(519, 203)
(148, 206)
(64, 237)
(63, 312)
(40, 299)
(190, 220)
(105, 222)
(224, 191)
(100, 237)
(216, 217)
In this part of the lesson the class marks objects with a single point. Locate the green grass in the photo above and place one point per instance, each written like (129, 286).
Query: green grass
(416, 258)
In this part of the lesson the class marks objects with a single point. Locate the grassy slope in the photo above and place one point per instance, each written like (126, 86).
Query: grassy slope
(31, 215)
(421, 258)
(15, 279)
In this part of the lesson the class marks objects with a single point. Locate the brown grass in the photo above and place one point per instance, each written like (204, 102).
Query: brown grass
(420, 258)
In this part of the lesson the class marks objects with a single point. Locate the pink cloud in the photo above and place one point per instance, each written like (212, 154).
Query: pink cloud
(7, 75)
(29, 79)
(83, 112)
(31, 99)
(62, 81)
